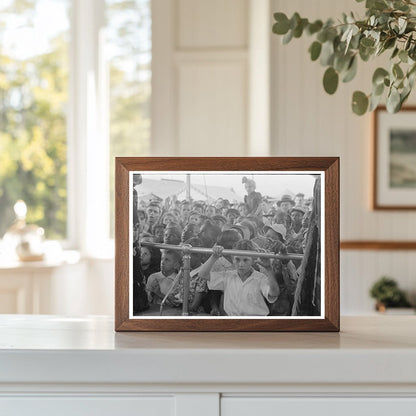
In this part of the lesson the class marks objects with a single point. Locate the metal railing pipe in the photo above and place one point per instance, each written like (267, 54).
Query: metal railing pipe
(203, 250)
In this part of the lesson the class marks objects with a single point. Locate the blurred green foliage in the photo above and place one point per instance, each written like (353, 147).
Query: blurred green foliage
(130, 36)
(33, 109)
(386, 291)
(33, 97)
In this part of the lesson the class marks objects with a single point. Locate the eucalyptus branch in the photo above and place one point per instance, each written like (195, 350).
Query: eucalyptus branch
(389, 25)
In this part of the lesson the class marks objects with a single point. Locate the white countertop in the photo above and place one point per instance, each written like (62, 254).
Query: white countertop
(50, 349)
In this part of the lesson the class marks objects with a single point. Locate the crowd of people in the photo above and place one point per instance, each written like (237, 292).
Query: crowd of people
(220, 284)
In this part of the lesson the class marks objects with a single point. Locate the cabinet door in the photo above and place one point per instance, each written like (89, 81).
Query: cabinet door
(88, 406)
(272, 406)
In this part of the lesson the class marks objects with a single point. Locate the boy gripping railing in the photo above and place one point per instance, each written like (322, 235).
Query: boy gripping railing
(186, 252)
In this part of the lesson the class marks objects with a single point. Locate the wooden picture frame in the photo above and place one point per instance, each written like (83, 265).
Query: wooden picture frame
(326, 169)
(394, 158)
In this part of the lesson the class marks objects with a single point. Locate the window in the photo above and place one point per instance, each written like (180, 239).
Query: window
(33, 97)
(129, 46)
(75, 86)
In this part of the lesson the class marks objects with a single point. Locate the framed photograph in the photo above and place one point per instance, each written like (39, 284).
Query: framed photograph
(227, 244)
(394, 180)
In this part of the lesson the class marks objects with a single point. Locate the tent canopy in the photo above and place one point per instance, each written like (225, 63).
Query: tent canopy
(164, 188)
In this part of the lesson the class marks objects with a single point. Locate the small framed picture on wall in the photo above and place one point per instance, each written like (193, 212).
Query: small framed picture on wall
(394, 149)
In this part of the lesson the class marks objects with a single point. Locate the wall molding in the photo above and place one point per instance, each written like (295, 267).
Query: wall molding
(378, 245)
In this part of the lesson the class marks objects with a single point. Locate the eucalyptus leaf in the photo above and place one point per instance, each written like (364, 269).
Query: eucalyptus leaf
(403, 56)
(359, 103)
(402, 22)
(376, 4)
(366, 53)
(327, 54)
(322, 36)
(314, 27)
(397, 71)
(294, 20)
(330, 80)
(315, 50)
(367, 42)
(378, 89)
(379, 75)
(408, 42)
(281, 26)
(298, 30)
(350, 73)
(341, 62)
(393, 101)
(374, 102)
(389, 43)
(288, 37)
(411, 78)
(400, 5)
(395, 52)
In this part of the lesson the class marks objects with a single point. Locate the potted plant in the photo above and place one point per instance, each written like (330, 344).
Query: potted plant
(387, 294)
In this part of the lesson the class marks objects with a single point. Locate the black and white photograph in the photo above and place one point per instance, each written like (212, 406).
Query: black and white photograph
(226, 244)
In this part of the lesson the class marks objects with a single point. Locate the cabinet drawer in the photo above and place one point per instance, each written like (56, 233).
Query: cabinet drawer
(272, 406)
(87, 406)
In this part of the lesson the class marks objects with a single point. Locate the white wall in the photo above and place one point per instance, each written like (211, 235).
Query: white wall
(223, 86)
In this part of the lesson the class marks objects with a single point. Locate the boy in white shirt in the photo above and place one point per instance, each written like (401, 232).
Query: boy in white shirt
(245, 289)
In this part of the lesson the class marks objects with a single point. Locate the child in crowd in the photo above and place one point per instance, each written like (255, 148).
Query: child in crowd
(150, 261)
(219, 220)
(190, 230)
(231, 215)
(209, 233)
(172, 234)
(245, 289)
(243, 209)
(210, 211)
(194, 217)
(158, 232)
(197, 287)
(167, 218)
(160, 283)
(185, 209)
(226, 239)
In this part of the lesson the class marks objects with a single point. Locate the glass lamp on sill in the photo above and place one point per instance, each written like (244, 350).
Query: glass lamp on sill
(23, 240)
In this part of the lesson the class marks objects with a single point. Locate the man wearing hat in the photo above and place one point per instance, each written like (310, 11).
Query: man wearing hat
(275, 232)
(296, 215)
(297, 233)
(286, 203)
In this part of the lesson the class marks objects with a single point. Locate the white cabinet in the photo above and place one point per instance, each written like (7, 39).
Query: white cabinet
(325, 406)
(79, 366)
(88, 406)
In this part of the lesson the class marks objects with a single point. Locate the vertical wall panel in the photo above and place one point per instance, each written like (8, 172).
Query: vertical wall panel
(200, 77)
(212, 109)
(212, 24)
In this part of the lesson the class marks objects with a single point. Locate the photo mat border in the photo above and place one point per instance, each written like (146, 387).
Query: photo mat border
(321, 173)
